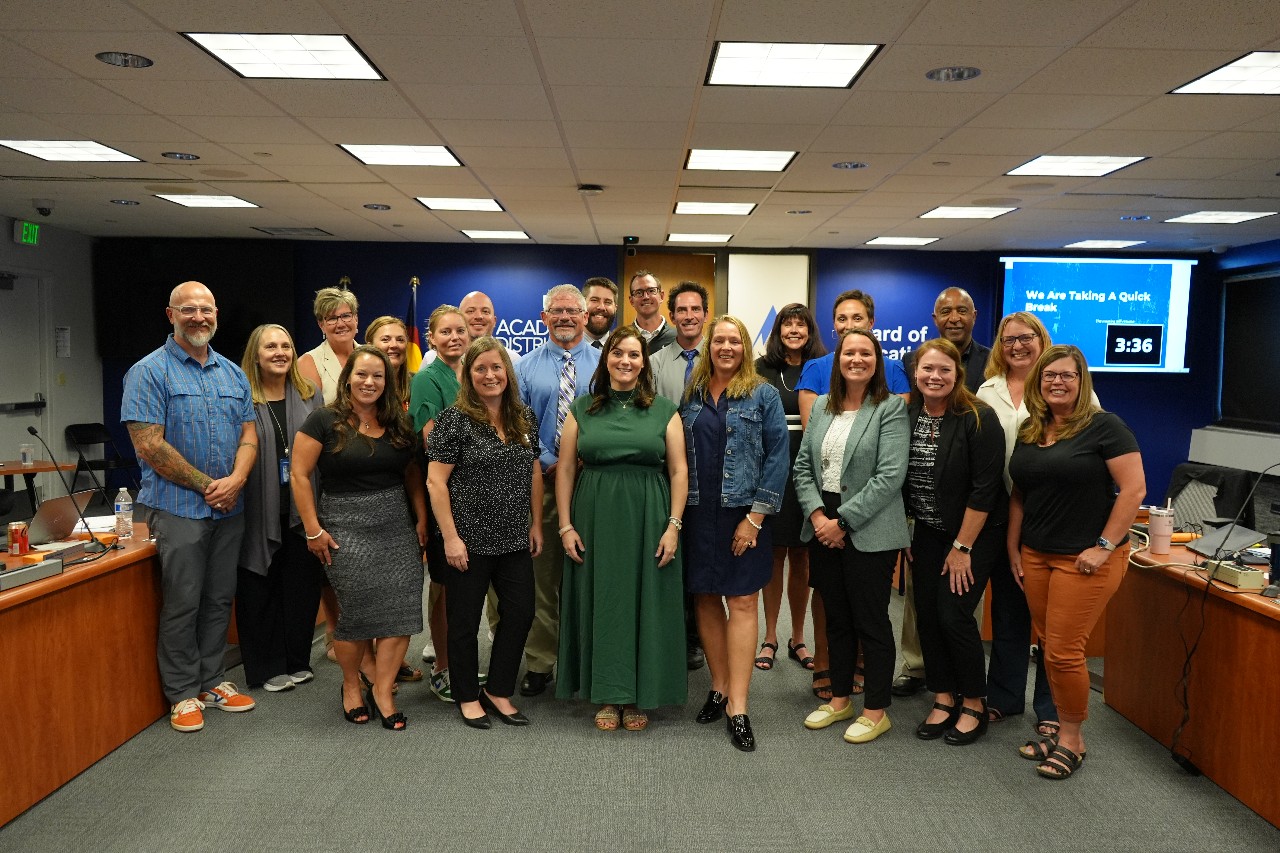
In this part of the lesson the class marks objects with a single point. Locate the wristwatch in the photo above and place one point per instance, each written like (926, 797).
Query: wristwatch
(840, 523)
(963, 549)
(1103, 543)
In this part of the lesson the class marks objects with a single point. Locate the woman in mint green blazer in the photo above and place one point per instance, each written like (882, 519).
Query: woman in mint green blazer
(848, 476)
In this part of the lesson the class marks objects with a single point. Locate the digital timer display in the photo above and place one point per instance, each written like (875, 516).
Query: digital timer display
(1134, 345)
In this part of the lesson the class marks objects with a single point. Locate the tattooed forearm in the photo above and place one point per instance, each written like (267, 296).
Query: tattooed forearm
(148, 441)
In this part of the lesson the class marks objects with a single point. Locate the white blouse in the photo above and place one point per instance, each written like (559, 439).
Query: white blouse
(833, 450)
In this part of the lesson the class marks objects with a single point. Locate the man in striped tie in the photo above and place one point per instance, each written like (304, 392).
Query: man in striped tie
(550, 377)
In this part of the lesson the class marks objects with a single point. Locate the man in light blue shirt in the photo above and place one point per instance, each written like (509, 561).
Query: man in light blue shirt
(560, 367)
(191, 419)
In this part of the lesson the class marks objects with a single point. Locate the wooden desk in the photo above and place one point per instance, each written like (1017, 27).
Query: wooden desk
(1234, 688)
(78, 675)
(9, 467)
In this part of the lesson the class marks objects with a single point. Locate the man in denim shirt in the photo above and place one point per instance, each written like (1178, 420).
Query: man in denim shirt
(567, 358)
(191, 419)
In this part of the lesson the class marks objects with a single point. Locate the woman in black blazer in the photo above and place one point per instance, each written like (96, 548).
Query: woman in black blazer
(955, 492)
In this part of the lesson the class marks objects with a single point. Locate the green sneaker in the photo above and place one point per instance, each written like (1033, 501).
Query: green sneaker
(440, 685)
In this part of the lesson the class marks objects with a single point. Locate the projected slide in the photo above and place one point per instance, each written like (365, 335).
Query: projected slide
(1126, 314)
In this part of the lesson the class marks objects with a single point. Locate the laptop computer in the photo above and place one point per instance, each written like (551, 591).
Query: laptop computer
(1225, 541)
(57, 517)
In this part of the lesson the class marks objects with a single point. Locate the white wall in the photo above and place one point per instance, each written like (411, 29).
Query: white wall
(58, 274)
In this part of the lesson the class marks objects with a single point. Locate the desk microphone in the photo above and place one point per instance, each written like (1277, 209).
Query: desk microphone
(93, 546)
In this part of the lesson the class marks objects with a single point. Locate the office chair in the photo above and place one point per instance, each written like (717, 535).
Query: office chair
(1203, 491)
(85, 436)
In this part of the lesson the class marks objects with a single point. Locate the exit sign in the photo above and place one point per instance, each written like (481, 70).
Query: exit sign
(26, 233)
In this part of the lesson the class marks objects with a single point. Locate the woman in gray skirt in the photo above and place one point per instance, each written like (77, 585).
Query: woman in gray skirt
(371, 525)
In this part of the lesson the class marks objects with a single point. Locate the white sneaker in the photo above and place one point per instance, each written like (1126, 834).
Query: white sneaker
(276, 683)
(429, 652)
(441, 687)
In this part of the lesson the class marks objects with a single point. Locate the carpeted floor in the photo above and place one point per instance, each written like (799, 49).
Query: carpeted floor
(293, 775)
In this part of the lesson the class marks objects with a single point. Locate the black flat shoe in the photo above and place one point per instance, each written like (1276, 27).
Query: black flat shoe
(397, 722)
(933, 731)
(480, 722)
(358, 715)
(534, 683)
(713, 708)
(740, 732)
(955, 737)
(516, 719)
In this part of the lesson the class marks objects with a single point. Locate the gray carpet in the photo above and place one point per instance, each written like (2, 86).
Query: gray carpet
(293, 775)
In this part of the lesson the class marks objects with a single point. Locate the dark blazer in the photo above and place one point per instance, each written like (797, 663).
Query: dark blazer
(969, 469)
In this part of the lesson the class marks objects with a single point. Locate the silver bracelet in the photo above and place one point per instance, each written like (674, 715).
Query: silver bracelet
(676, 523)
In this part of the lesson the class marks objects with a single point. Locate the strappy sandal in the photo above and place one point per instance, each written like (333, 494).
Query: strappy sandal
(364, 679)
(766, 662)
(1038, 750)
(1060, 764)
(1047, 728)
(859, 681)
(995, 715)
(634, 720)
(408, 673)
(607, 718)
(793, 652)
(823, 692)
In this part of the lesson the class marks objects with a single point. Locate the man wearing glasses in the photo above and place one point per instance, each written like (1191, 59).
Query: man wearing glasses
(551, 377)
(646, 297)
(191, 419)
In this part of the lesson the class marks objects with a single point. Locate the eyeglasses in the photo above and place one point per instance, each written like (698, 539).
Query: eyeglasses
(1051, 376)
(645, 291)
(1010, 340)
(340, 318)
(189, 311)
(564, 312)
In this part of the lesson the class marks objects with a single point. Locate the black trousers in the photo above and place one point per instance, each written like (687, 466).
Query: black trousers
(276, 613)
(949, 636)
(512, 578)
(1010, 659)
(855, 587)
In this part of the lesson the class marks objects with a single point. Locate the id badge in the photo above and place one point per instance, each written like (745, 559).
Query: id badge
(284, 471)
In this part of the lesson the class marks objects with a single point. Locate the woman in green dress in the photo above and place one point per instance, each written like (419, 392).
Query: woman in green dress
(622, 599)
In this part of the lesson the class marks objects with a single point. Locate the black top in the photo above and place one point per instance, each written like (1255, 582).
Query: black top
(276, 409)
(1067, 491)
(968, 466)
(920, 486)
(785, 381)
(363, 465)
(491, 487)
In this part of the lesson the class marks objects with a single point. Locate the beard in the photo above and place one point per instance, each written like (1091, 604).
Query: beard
(197, 337)
(599, 322)
(565, 334)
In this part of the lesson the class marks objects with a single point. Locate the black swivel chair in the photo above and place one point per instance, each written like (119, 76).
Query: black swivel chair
(83, 437)
(1200, 491)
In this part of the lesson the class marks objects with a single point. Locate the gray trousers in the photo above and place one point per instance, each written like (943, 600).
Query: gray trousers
(197, 585)
(543, 646)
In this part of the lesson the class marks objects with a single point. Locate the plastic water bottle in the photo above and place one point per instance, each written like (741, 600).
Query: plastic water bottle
(124, 514)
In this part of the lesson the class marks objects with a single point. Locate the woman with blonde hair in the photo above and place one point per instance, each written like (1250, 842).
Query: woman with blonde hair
(737, 447)
(389, 334)
(278, 581)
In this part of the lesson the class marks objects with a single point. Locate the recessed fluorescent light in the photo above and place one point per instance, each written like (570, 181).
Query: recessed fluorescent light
(902, 241)
(1222, 217)
(698, 238)
(1104, 244)
(1074, 166)
(402, 155)
(738, 160)
(831, 66)
(207, 200)
(722, 208)
(966, 212)
(495, 235)
(316, 57)
(460, 204)
(1256, 73)
(69, 151)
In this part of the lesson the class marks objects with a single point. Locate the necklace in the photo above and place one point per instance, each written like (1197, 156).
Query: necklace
(782, 374)
(617, 396)
(279, 430)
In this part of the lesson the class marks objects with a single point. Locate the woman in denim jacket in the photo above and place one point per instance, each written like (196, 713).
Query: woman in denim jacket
(736, 440)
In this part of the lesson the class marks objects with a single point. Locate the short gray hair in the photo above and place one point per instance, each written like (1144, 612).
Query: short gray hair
(566, 290)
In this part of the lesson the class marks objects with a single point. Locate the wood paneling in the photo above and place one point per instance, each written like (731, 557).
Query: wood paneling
(671, 268)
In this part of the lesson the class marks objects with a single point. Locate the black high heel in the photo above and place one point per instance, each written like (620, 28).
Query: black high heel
(933, 731)
(516, 719)
(353, 715)
(955, 737)
(740, 732)
(396, 722)
(713, 708)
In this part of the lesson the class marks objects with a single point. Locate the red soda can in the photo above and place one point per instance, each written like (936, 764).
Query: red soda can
(18, 544)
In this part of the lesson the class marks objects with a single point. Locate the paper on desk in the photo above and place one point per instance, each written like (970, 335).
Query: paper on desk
(97, 524)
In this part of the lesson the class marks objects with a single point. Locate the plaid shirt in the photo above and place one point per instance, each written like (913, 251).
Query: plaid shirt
(203, 409)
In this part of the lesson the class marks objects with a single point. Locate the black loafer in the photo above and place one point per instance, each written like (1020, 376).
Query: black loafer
(740, 733)
(695, 658)
(713, 708)
(906, 685)
(516, 719)
(534, 683)
(955, 737)
(933, 731)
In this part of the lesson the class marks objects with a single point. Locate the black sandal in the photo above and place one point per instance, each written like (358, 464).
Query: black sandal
(1047, 728)
(395, 722)
(859, 681)
(358, 715)
(766, 663)
(826, 688)
(793, 652)
(1060, 764)
(1039, 750)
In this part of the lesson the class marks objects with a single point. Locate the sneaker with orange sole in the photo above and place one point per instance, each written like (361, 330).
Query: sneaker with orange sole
(226, 697)
(186, 717)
